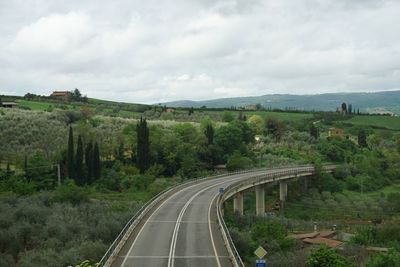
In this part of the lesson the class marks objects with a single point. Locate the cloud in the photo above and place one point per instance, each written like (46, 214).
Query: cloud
(157, 51)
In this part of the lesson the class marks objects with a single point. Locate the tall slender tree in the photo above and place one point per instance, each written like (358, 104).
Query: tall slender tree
(143, 146)
(70, 154)
(80, 179)
(362, 138)
(314, 131)
(209, 133)
(89, 162)
(344, 108)
(96, 162)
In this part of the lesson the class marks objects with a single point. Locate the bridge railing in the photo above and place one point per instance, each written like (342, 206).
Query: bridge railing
(120, 240)
(269, 177)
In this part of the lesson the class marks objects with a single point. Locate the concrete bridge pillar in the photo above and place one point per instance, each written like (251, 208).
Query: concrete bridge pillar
(260, 200)
(282, 191)
(238, 203)
(306, 184)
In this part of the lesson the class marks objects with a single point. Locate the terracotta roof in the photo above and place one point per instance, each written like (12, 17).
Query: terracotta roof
(60, 93)
(323, 241)
(327, 234)
(306, 235)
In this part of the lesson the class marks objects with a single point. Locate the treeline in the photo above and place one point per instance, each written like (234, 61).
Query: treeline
(83, 165)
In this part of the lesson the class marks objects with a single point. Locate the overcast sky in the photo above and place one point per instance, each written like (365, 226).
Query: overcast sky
(152, 51)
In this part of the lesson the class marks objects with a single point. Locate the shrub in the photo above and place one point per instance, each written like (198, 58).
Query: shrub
(238, 162)
(325, 257)
(390, 259)
(71, 193)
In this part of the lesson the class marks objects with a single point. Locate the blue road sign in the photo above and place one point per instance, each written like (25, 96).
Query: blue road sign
(261, 263)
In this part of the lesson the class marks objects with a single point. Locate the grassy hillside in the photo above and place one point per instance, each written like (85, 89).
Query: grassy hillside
(392, 123)
(383, 101)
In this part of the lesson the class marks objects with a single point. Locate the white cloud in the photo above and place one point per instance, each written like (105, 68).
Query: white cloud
(156, 51)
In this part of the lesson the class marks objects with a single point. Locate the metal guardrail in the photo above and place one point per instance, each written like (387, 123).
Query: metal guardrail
(234, 254)
(120, 240)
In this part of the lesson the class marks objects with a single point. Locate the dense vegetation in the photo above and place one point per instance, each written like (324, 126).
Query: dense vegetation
(113, 157)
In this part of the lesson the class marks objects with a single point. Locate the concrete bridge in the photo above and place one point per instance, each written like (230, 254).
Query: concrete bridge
(184, 226)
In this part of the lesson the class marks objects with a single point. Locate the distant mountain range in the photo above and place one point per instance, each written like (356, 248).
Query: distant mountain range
(377, 102)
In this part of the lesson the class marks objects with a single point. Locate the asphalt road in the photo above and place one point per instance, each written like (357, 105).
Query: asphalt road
(182, 230)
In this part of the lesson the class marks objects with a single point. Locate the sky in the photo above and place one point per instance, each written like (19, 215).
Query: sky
(155, 51)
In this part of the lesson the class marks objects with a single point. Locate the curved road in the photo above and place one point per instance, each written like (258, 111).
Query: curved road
(182, 230)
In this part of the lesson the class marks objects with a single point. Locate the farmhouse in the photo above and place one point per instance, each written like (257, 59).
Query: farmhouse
(335, 132)
(63, 95)
(9, 104)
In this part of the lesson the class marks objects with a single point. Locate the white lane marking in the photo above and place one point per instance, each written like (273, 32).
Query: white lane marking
(211, 234)
(157, 221)
(177, 257)
(159, 207)
(165, 201)
(177, 225)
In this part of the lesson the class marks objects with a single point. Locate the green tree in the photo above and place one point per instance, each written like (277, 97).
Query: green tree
(96, 162)
(227, 116)
(143, 146)
(79, 178)
(209, 133)
(89, 162)
(256, 123)
(229, 138)
(314, 131)
(326, 257)
(344, 107)
(191, 111)
(362, 138)
(238, 162)
(70, 154)
(275, 128)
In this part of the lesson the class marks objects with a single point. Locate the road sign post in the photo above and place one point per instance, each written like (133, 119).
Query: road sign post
(260, 252)
(261, 263)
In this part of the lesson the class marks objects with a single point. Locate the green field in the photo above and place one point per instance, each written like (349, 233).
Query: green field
(36, 105)
(391, 123)
(284, 116)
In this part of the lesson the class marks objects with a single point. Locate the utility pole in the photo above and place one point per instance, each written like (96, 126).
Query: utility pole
(59, 174)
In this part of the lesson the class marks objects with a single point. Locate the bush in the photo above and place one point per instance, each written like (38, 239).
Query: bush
(71, 193)
(390, 259)
(325, 257)
(238, 162)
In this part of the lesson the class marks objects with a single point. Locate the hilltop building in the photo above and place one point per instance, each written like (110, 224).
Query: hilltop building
(250, 107)
(62, 95)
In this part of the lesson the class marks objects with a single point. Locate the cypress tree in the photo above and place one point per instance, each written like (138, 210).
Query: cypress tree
(89, 162)
(209, 133)
(143, 146)
(362, 138)
(96, 162)
(80, 180)
(8, 170)
(314, 132)
(70, 154)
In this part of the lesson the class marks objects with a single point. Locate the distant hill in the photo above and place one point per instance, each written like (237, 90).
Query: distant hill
(371, 102)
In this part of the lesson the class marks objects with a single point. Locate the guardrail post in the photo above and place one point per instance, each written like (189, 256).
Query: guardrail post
(260, 200)
(238, 203)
